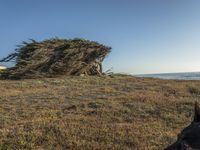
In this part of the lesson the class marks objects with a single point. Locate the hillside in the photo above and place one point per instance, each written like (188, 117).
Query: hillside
(118, 112)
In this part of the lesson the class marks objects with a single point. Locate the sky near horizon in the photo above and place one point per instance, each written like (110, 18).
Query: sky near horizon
(146, 36)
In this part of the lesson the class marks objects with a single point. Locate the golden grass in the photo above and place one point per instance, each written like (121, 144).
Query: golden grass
(119, 112)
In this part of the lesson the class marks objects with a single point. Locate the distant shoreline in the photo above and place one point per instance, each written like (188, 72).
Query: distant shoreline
(174, 76)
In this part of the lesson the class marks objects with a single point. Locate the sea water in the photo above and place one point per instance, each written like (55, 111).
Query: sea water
(176, 76)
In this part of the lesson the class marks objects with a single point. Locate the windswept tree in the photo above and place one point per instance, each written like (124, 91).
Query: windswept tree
(56, 57)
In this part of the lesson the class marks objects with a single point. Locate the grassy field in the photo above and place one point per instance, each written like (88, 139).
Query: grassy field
(119, 112)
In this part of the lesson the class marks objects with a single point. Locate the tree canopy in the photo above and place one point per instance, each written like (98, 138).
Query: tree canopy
(56, 57)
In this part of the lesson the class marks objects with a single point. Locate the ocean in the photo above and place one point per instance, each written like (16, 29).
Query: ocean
(176, 76)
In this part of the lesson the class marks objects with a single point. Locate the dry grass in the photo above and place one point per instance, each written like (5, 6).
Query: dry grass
(119, 112)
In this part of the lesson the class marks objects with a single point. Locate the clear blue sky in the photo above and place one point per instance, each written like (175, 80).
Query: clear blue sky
(147, 36)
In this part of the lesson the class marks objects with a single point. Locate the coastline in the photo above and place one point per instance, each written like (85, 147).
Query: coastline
(173, 76)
